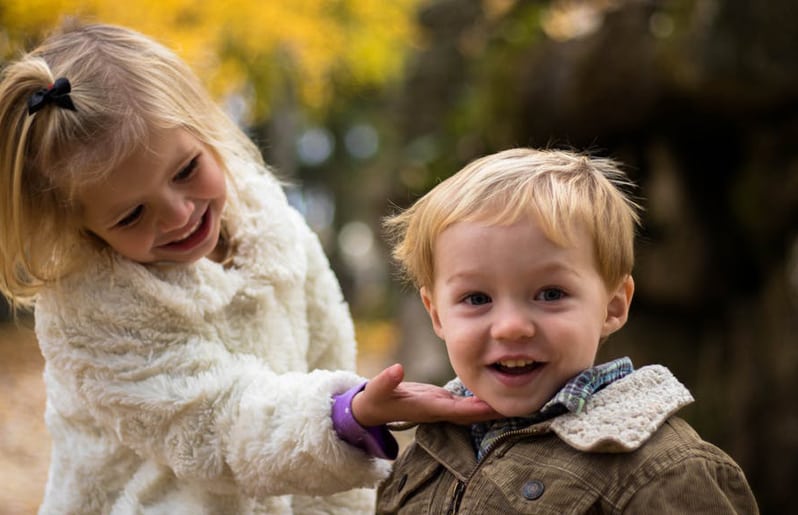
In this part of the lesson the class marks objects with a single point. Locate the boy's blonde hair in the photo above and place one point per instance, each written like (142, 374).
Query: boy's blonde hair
(124, 85)
(561, 190)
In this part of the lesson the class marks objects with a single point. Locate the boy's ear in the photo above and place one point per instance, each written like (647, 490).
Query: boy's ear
(618, 306)
(429, 305)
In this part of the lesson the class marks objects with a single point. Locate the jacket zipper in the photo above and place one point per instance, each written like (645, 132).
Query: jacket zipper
(454, 507)
(459, 490)
(508, 435)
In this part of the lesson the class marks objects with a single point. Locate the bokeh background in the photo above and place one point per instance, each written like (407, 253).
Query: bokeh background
(363, 105)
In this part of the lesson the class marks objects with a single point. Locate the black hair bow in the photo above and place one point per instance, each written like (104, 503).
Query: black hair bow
(57, 93)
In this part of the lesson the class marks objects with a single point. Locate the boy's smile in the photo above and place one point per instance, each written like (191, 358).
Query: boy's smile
(162, 204)
(519, 314)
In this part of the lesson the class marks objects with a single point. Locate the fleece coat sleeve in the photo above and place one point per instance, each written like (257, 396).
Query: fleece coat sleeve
(186, 401)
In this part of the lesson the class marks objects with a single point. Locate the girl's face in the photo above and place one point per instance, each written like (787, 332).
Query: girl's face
(520, 315)
(163, 204)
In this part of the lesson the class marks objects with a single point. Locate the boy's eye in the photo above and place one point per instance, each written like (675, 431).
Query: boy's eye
(550, 294)
(478, 299)
(186, 172)
(131, 218)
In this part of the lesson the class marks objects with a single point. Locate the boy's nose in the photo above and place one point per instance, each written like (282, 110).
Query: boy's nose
(512, 323)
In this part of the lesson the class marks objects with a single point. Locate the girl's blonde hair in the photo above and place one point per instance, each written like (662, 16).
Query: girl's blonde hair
(124, 85)
(561, 190)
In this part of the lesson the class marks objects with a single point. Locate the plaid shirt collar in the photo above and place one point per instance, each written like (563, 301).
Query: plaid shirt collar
(571, 397)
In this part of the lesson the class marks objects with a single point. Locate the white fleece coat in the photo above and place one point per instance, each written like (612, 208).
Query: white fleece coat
(202, 389)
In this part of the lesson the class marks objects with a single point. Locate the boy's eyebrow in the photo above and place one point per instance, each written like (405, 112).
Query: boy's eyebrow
(562, 268)
(559, 266)
(549, 267)
(459, 275)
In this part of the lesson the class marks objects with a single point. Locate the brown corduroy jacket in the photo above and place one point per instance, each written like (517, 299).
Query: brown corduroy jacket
(625, 453)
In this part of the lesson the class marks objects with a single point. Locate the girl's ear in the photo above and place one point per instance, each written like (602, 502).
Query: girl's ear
(429, 305)
(618, 306)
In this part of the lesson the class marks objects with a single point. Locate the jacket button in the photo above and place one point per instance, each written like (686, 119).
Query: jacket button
(401, 484)
(532, 490)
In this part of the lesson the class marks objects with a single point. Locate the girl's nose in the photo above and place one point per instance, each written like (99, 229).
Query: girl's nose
(175, 212)
(512, 323)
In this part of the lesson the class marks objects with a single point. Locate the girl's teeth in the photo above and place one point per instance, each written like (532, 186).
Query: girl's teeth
(190, 232)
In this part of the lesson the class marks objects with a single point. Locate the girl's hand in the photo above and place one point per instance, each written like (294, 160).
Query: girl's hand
(387, 399)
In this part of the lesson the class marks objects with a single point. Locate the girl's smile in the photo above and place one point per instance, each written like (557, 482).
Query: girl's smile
(192, 237)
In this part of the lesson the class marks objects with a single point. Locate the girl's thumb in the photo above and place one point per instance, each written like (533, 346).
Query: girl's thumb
(387, 380)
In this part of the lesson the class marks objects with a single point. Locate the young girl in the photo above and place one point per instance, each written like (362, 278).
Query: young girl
(199, 354)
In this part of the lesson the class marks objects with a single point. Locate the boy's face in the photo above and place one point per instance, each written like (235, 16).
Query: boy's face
(520, 315)
(160, 205)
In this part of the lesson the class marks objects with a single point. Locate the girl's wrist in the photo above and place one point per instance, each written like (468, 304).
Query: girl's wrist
(375, 440)
(357, 409)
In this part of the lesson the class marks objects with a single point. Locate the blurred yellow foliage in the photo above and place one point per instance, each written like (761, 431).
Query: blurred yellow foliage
(238, 45)
(376, 336)
(377, 342)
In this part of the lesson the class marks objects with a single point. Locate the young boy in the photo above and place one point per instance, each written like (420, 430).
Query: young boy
(523, 260)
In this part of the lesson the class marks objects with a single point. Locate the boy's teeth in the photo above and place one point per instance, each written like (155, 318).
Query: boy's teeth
(514, 363)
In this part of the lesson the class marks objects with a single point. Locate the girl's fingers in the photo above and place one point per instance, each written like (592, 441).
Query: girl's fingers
(384, 383)
(368, 404)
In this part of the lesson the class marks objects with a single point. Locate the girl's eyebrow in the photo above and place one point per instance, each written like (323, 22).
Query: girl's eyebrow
(185, 156)
(112, 213)
(118, 212)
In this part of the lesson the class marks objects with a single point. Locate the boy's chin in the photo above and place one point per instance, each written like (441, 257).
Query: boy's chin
(510, 410)
(507, 406)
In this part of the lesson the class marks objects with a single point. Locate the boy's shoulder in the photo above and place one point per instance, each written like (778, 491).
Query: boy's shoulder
(625, 414)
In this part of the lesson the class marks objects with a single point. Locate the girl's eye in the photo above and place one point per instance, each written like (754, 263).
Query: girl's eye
(550, 294)
(131, 218)
(478, 299)
(186, 172)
